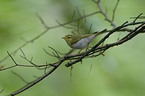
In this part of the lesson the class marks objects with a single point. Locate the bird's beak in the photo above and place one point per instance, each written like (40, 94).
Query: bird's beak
(63, 37)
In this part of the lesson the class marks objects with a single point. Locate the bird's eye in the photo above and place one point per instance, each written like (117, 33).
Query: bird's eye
(69, 37)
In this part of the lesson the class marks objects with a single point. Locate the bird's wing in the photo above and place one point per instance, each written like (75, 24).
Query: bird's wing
(75, 39)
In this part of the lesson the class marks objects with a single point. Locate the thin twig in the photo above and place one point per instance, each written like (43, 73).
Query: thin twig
(104, 14)
(19, 76)
(113, 16)
(44, 32)
(1, 91)
(137, 17)
(42, 21)
(37, 80)
(93, 48)
(94, 51)
(82, 55)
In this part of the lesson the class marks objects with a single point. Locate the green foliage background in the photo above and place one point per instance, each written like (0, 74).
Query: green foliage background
(121, 72)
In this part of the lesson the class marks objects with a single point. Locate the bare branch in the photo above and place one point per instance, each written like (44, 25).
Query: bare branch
(24, 57)
(95, 51)
(38, 79)
(19, 76)
(42, 21)
(137, 17)
(30, 41)
(63, 25)
(44, 32)
(113, 16)
(104, 14)
(124, 39)
(12, 58)
(55, 54)
(90, 29)
(41, 66)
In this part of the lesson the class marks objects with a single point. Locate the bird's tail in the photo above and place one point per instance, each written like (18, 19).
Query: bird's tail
(99, 33)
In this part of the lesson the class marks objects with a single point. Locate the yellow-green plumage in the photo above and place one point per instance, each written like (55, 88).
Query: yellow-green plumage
(79, 41)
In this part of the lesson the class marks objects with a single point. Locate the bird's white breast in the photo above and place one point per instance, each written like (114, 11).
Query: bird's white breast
(83, 42)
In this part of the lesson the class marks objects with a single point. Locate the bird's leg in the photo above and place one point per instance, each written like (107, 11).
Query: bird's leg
(87, 48)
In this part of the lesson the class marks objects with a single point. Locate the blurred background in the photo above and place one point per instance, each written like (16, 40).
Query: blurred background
(121, 72)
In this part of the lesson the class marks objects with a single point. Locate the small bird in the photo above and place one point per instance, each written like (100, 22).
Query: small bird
(79, 41)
